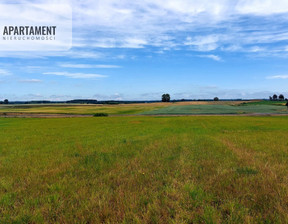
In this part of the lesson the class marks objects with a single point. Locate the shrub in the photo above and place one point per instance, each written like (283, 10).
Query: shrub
(100, 115)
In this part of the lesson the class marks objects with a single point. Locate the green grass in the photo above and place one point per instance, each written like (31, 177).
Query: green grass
(221, 109)
(144, 170)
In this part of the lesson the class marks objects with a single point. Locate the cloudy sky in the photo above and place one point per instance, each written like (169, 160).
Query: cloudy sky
(137, 50)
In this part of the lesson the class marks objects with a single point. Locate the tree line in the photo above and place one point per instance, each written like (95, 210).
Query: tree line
(166, 98)
(4, 102)
(275, 97)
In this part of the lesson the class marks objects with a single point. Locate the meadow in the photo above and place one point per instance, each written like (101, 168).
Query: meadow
(79, 108)
(219, 109)
(172, 108)
(144, 170)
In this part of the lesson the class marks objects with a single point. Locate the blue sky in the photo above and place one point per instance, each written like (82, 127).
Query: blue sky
(138, 50)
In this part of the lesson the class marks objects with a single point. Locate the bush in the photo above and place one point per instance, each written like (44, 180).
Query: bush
(100, 115)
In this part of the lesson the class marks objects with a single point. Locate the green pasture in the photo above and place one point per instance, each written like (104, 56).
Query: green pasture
(144, 170)
(221, 109)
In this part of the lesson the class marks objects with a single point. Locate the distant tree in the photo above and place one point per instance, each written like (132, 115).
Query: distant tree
(6, 101)
(216, 98)
(281, 97)
(275, 97)
(166, 97)
(270, 98)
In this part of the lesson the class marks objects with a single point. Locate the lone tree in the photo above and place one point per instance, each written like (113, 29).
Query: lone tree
(216, 98)
(6, 101)
(166, 97)
(281, 97)
(275, 97)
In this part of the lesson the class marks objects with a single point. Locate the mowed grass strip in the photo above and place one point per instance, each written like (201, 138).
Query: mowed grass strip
(144, 170)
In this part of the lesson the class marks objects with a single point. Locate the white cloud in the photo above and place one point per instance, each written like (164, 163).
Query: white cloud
(33, 67)
(30, 81)
(4, 72)
(262, 7)
(87, 66)
(277, 77)
(232, 48)
(115, 96)
(257, 49)
(81, 54)
(76, 75)
(118, 40)
(134, 42)
(203, 43)
(74, 53)
(226, 25)
(211, 56)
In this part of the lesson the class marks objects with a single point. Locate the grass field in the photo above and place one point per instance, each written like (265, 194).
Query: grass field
(220, 109)
(121, 109)
(144, 170)
(80, 108)
(178, 108)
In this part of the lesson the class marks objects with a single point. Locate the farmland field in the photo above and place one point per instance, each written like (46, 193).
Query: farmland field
(144, 170)
(79, 108)
(173, 108)
(116, 109)
(220, 109)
